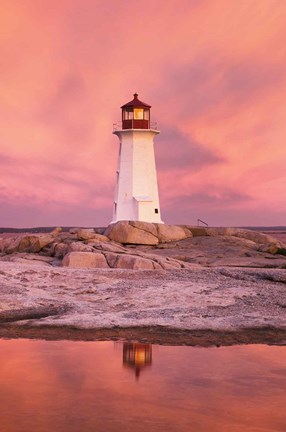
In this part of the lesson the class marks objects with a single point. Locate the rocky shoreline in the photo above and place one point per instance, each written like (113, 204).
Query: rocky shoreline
(150, 335)
(209, 287)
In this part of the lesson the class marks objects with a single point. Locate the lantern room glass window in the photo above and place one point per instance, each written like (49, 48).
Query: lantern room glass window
(146, 114)
(127, 115)
(138, 113)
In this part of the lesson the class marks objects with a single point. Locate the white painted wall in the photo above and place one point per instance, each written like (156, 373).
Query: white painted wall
(136, 192)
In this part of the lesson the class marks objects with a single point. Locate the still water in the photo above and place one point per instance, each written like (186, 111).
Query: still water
(113, 386)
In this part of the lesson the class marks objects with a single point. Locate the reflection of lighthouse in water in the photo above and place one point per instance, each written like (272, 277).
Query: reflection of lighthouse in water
(137, 356)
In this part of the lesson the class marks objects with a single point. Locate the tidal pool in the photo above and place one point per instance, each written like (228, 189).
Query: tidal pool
(113, 386)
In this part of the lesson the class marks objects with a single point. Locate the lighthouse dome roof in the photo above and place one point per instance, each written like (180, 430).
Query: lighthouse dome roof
(136, 103)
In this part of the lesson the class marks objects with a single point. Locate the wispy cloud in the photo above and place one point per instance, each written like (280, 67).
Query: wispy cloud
(212, 71)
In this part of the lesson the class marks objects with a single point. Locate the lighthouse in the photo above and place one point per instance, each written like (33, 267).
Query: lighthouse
(136, 191)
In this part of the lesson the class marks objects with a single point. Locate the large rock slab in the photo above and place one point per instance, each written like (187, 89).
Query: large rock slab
(59, 250)
(145, 226)
(264, 242)
(85, 234)
(132, 233)
(144, 233)
(111, 259)
(28, 258)
(107, 246)
(169, 233)
(27, 243)
(100, 238)
(256, 236)
(206, 299)
(79, 247)
(170, 264)
(84, 260)
(196, 231)
(89, 234)
(133, 262)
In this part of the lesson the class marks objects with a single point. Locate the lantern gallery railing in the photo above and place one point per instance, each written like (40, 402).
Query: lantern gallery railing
(119, 125)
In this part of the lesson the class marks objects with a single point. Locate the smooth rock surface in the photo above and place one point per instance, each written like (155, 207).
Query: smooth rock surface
(148, 227)
(126, 233)
(255, 236)
(169, 233)
(84, 260)
(196, 231)
(85, 234)
(200, 298)
(133, 262)
(27, 243)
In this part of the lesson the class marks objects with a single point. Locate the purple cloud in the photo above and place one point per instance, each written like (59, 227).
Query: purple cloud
(177, 150)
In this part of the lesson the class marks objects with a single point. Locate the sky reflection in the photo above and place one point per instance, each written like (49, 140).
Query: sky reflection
(88, 386)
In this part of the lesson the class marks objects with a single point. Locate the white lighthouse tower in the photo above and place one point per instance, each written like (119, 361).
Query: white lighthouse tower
(136, 192)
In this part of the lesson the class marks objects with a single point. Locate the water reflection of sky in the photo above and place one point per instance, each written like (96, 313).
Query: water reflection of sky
(95, 386)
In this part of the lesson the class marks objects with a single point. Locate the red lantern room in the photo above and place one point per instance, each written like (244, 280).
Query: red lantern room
(136, 114)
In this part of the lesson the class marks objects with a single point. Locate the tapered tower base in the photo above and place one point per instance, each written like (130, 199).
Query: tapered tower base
(136, 194)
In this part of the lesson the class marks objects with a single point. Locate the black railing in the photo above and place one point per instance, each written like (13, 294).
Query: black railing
(202, 222)
(119, 126)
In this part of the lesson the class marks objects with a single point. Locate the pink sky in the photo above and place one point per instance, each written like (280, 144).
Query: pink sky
(214, 72)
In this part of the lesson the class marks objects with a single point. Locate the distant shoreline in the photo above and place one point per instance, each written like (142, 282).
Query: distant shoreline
(101, 229)
(46, 229)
